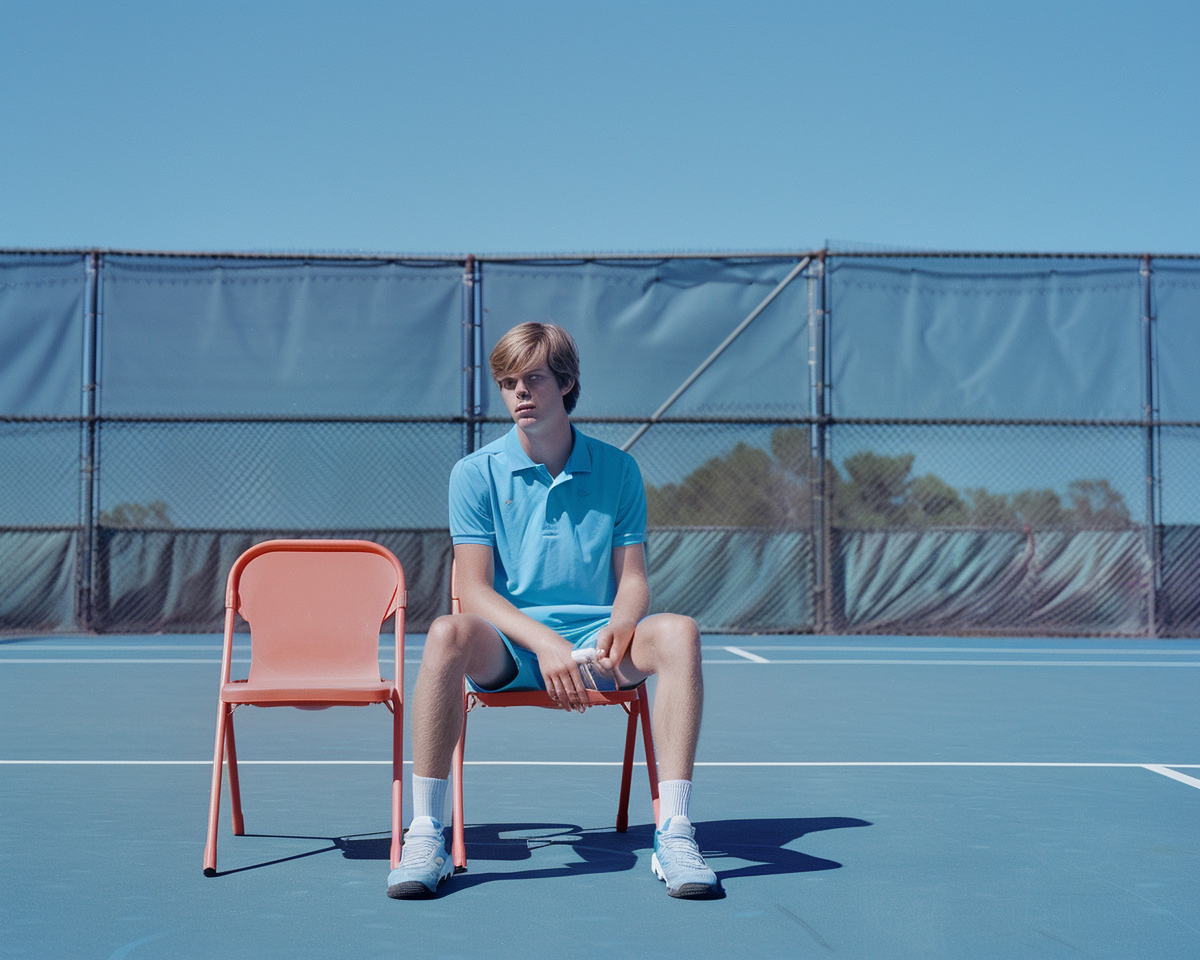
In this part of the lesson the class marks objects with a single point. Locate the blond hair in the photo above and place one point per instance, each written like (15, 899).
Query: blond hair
(530, 344)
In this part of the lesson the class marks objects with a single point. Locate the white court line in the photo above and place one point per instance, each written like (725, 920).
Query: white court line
(1174, 775)
(742, 660)
(106, 660)
(743, 650)
(979, 663)
(1157, 768)
(197, 647)
(964, 663)
(855, 648)
(752, 657)
(4, 659)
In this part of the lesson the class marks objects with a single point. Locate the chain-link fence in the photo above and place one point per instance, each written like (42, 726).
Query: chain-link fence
(766, 512)
(910, 527)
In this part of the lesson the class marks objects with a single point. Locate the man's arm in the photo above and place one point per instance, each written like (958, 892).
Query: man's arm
(631, 605)
(478, 596)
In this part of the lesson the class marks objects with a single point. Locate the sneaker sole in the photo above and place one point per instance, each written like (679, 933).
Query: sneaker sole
(686, 890)
(415, 889)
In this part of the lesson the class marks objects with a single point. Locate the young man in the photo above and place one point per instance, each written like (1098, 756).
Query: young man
(548, 527)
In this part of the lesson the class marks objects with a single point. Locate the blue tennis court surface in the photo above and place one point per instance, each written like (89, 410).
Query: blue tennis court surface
(859, 797)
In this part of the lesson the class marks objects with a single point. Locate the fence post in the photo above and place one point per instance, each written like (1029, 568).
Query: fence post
(1150, 417)
(85, 552)
(470, 359)
(822, 508)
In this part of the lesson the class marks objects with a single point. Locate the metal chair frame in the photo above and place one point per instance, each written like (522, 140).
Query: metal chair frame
(635, 702)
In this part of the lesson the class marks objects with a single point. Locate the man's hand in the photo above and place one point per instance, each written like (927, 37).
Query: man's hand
(561, 675)
(612, 643)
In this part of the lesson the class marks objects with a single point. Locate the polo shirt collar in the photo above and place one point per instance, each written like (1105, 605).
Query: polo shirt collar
(580, 460)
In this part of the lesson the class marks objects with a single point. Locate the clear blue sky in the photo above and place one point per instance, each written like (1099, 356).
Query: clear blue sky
(500, 127)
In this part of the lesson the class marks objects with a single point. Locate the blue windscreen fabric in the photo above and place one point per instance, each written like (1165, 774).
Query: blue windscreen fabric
(37, 579)
(643, 326)
(984, 337)
(196, 335)
(1093, 581)
(42, 311)
(1177, 312)
(1176, 309)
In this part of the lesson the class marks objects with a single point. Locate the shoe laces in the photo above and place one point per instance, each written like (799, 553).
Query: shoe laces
(419, 848)
(682, 849)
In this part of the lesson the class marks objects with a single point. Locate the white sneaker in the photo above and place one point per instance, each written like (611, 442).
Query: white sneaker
(424, 862)
(677, 860)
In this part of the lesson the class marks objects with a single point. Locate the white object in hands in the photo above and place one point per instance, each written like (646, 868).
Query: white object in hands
(590, 668)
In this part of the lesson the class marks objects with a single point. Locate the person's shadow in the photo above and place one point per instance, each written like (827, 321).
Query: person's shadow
(762, 844)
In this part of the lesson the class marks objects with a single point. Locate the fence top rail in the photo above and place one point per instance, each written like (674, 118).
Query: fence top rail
(766, 420)
(462, 258)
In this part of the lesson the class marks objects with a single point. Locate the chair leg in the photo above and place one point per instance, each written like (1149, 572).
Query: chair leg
(235, 787)
(397, 778)
(648, 739)
(627, 768)
(460, 842)
(214, 797)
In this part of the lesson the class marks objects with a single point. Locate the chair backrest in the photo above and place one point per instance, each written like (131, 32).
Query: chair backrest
(315, 607)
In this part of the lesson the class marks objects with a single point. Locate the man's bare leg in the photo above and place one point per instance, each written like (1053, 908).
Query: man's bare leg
(668, 646)
(456, 646)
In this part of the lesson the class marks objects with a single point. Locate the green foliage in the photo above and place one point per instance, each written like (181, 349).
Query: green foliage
(737, 490)
(937, 503)
(1097, 506)
(150, 516)
(750, 488)
(991, 509)
(1040, 509)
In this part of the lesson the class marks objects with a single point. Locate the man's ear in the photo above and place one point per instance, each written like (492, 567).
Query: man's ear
(567, 387)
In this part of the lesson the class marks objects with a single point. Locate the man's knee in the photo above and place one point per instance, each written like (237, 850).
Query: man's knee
(463, 643)
(675, 639)
(680, 631)
(449, 638)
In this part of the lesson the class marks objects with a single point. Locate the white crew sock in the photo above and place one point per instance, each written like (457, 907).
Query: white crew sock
(429, 797)
(673, 797)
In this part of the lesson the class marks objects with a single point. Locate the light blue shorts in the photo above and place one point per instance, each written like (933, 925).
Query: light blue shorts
(529, 674)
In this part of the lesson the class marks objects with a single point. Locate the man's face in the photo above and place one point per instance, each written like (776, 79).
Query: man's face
(533, 396)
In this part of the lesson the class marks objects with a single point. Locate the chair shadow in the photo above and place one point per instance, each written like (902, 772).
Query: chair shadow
(763, 843)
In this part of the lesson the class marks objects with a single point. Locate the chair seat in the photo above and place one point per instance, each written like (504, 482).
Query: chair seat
(332, 691)
(539, 698)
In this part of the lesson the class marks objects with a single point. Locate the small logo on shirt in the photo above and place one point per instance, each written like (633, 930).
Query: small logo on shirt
(507, 502)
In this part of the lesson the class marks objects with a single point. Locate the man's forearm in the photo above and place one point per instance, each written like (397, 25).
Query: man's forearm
(508, 619)
(632, 602)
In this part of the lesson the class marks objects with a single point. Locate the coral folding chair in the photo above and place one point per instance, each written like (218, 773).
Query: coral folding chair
(315, 609)
(636, 704)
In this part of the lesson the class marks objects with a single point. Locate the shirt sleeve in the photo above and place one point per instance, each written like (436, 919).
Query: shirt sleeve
(471, 518)
(630, 525)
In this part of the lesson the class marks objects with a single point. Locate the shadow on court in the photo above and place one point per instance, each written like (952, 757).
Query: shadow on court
(763, 844)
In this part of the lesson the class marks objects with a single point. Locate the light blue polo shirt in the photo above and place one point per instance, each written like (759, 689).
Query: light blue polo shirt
(551, 537)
